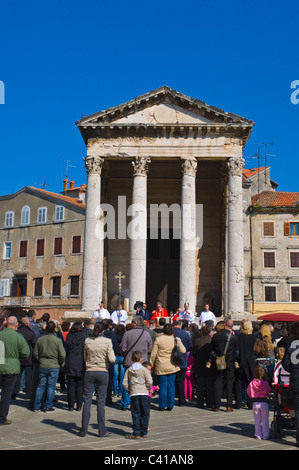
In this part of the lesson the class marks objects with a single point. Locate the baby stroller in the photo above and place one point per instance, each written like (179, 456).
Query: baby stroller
(283, 412)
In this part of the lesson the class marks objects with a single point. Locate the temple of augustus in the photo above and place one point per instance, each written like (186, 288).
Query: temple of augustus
(163, 151)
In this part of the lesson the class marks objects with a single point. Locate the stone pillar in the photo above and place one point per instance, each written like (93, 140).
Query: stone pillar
(138, 232)
(188, 235)
(92, 276)
(235, 256)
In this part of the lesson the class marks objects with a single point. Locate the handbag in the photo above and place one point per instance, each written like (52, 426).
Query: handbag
(220, 360)
(176, 357)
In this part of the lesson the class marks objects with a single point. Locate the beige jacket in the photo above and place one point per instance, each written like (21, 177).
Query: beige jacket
(161, 355)
(98, 353)
(137, 380)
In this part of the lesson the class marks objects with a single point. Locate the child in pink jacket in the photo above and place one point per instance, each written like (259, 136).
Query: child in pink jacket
(259, 390)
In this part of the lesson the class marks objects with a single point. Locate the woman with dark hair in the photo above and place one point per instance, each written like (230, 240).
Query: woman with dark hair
(74, 365)
(164, 366)
(98, 353)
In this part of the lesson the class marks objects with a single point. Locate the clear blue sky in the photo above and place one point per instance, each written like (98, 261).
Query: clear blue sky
(67, 58)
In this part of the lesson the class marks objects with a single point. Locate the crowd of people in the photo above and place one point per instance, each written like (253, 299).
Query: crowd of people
(180, 359)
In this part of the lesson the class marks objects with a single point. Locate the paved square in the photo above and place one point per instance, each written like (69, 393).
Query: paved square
(182, 429)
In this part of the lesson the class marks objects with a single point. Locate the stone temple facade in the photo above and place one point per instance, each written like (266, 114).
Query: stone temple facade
(163, 151)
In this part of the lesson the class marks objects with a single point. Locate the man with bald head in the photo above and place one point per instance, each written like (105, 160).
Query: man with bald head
(13, 349)
(225, 342)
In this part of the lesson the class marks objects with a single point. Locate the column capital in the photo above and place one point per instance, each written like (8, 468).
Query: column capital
(140, 165)
(235, 166)
(93, 165)
(189, 166)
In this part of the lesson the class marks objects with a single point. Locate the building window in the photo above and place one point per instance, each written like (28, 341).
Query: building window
(40, 247)
(268, 229)
(23, 248)
(294, 259)
(58, 246)
(7, 250)
(74, 288)
(38, 287)
(295, 293)
(269, 259)
(9, 216)
(25, 215)
(291, 228)
(76, 244)
(59, 213)
(270, 294)
(42, 215)
(56, 286)
(4, 288)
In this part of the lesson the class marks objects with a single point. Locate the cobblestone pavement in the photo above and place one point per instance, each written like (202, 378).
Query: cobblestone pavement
(182, 429)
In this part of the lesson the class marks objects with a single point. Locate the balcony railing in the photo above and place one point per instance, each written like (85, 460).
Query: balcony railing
(17, 301)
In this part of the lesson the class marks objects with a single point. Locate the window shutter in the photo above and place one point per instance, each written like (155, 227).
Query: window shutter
(58, 246)
(287, 230)
(23, 249)
(40, 247)
(56, 284)
(74, 285)
(295, 259)
(38, 287)
(76, 248)
(269, 259)
(268, 229)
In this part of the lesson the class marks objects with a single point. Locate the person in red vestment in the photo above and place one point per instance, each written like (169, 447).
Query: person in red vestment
(159, 312)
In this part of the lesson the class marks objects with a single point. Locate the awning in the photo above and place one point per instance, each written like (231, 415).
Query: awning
(279, 317)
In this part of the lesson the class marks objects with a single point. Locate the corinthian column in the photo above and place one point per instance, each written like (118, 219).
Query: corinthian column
(188, 234)
(92, 276)
(138, 232)
(235, 256)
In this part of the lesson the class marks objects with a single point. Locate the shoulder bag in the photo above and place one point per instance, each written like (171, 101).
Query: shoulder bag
(220, 360)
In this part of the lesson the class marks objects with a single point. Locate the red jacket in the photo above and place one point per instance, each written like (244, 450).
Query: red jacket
(160, 313)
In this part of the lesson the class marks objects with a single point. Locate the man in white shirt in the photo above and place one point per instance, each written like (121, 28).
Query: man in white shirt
(187, 314)
(205, 315)
(101, 313)
(119, 315)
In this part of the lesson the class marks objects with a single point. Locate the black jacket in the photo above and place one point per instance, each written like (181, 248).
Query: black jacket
(74, 360)
(201, 353)
(218, 344)
(30, 338)
(247, 357)
(290, 361)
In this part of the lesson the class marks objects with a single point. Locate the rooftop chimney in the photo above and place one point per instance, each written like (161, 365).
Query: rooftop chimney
(72, 184)
(65, 185)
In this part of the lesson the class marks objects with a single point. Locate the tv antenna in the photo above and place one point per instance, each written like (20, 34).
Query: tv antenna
(68, 166)
(44, 185)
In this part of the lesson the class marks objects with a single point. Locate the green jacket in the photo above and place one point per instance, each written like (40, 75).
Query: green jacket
(13, 348)
(49, 352)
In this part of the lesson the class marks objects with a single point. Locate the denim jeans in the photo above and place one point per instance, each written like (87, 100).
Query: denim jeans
(125, 396)
(140, 414)
(166, 390)
(118, 375)
(46, 381)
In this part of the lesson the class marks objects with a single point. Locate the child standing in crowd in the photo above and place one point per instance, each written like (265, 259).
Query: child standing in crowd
(137, 381)
(189, 376)
(259, 390)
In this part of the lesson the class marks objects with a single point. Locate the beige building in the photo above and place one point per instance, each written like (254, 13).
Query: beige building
(41, 240)
(272, 252)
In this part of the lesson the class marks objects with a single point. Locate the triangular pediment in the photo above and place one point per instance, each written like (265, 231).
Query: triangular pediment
(163, 106)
